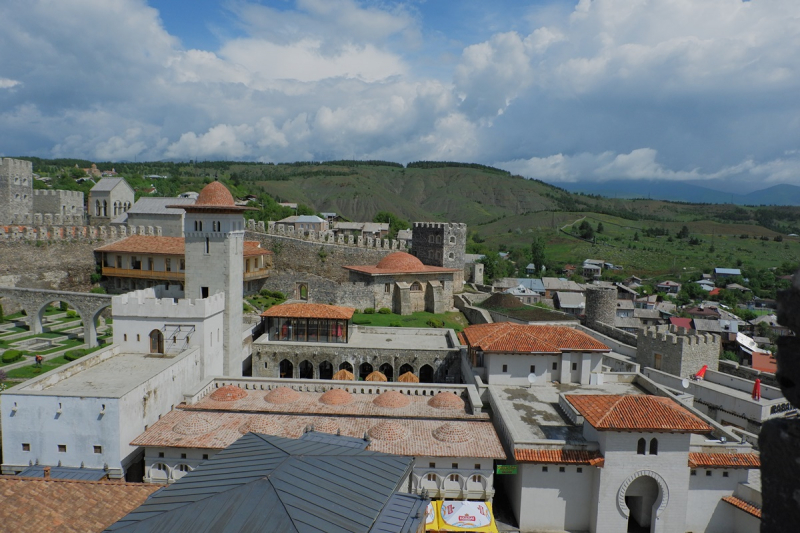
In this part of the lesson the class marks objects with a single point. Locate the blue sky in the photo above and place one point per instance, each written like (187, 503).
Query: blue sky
(560, 90)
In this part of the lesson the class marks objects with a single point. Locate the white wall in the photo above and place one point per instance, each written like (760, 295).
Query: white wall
(706, 511)
(554, 500)
(519, 367)
(442, 468)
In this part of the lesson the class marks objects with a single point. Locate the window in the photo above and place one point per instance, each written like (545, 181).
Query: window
(62, 448)
(97, 449)
(475, 479)
(452, 239)
(168, 264)
(477, 466)
(203, 292)
(708, 473)
(416, 287)
(544, 469)
(533, 369)
(200, 225)
(183, 456)
(657, 361)
(579, 470)
(183, 468)
(195, 225)
(453, 477)
(555, 366)
(387, 288)
(562, 469)
(574, 366)
(431, 477)
(431, 465)
(205, 456)
(207, 245)
(724, 474)
(26, 446)
(150, 263)
(505, 368)
(125, 337)
(161, 454)
(430, 239)
(183, 264)
(653, 446)
(640, 447)
(138, 338)
(693, 473)
(455, 465)
(265, 364)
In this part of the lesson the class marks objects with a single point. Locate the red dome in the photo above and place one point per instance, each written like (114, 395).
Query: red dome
(228, 393)
(215, 194)
(400, 262)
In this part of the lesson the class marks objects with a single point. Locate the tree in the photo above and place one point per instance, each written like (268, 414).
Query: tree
(537, 253)
(683, 233)
(585, 230)
(600, 228)
(395, 223)
(636, 236)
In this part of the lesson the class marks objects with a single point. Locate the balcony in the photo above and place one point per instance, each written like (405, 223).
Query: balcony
(256, 274)
(467, 485)
(113, 272)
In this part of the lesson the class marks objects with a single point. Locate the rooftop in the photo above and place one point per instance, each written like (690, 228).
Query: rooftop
(724, 460)
(36, 505)
(159, 206)
(213, 197)
(155, 245)
(398, 263)
(512, 337)
(107, 184)
(389, 338)
(616, 412)
(307, 310)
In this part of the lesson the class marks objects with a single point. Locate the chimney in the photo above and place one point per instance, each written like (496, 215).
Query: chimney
(47, 472)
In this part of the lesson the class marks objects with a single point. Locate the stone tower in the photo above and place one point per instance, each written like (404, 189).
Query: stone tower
(601, 306)
(16, 191)
(678, 351)
(441, 244)
(214, 237)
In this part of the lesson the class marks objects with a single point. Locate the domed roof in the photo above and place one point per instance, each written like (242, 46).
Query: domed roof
(336, 397)
(375, 376)
(262, 424)
(446, 400)
(452, 432)
(282, 395)
(400, 262)
(392, 399)
(389, 430)
(228, 393)
(195, 424)
(326, 425)
(215, 194)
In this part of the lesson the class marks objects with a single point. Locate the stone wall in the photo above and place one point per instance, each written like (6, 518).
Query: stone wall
(746, 372)
(16, 190)
(57, 202)
(615, 333)
(683, 352)
(601, 305)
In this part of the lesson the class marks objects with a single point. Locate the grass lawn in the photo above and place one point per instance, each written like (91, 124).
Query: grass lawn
(15, 329)
(30, 371)
(263, 302)
(454, 320)
(11, 318)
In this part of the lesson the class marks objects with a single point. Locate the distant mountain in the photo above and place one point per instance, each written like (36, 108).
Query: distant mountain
(783, 194)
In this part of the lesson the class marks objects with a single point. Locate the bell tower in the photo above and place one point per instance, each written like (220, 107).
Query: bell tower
(214, 243)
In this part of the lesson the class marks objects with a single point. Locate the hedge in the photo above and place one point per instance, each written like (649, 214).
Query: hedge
(71, 355)
(385, 311)
(369, 311)
(12, 356)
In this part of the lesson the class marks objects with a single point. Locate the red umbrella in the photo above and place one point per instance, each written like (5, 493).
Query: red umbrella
(757, 390)
(702, 373)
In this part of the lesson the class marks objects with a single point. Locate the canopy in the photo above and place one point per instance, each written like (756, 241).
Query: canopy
(408, 377)
(465, 515)
(343, 375)
(432, 517)
(375, 376)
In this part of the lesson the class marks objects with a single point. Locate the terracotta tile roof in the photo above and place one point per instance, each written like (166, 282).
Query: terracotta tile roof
(399, 263)
(560, 456)
(512, 337)
(745, 506)
(409, 437)
(35, 505)
(154, 245)
(636, 413)
(213, 197)
(408, 377)
(310, 311)
(765, 362)
(337, 402)
(681, 322)
(724, 460)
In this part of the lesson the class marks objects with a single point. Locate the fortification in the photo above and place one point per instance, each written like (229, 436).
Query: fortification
(165, 304)
(679, 351)
(601, 306)
(73, 233)
(51, 203)
(442, 244)
(16, 190)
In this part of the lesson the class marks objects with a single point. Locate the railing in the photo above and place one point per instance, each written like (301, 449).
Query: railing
(256, 274)
(143, 274)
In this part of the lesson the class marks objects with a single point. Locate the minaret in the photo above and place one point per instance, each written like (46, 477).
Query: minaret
(214, 235)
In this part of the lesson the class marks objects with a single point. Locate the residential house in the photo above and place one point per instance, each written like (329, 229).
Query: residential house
(375, 230)
(573, 303)
(524, 294)
(720, 273)
(568, 270)
(703, 312)
(624, 309)
(706, 284)
(153, 212)
(304, 223)
(108, 199)
(552, 285)
(669, 286)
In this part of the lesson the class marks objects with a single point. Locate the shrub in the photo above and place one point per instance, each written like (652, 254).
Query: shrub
(361, 321)
(72, 314)
(98, 290)
(72, 355)
(63, 306)
(266, 293)
(3, 375)
(12, 356)
(369, 311)
(95, 278)
(385, 311)
(435, 323)
(395, 324)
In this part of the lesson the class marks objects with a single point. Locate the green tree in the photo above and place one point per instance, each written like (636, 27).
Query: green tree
(395, 223)
(585, 230)
(683, 233)
(537, 253)
(600, 227)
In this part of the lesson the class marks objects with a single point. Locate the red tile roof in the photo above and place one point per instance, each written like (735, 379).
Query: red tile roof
(636, 413)
(399, 263)
(681, 322)
(745, 506)
(154, 245)
(765, 362)
(310, 311)
(560, 456)
(213, 197)
(512, 337)
(724, 460)
(35, 505)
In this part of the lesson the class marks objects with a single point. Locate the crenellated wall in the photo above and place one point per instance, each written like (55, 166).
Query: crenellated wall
(58, 232)
(682, 352)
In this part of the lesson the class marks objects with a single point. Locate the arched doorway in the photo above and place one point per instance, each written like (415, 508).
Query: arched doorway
(364, 370)
(426, 374)
(325, 370)
(405, 368)
(642, 497)
(156, 341)
(306, 370)
(346, 366)
(286, 369)
(387, 370)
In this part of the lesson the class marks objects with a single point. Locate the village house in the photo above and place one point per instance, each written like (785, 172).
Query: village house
(669, 286)
(305, 223)
(375, 230)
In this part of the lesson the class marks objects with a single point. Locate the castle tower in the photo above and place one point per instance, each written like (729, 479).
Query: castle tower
(214, 244)
(441, 244)
(16, 191)
(601, 305)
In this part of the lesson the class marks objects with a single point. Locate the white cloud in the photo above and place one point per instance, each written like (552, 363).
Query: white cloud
(6, 83)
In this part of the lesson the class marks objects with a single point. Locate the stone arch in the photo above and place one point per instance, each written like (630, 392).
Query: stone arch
(476, 482)
(156, 341)
(660, 501)
(180, 471)
(286, 369)
(325, 370)
(426, 374)
(306, 369)
(405, 368)
(88, 307)
(364, 370)
(345, 365)
(387, 370)
(159, 473)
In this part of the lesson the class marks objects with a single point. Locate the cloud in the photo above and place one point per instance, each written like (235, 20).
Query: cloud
(6, 83)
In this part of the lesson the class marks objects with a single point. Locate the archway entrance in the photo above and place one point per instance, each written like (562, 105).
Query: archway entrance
(286, 369)
(405, 368)
(386, 370)
(325, 370)
(156, 341)
(364, 370)
(306, 370)
(346, 366)
(642, 498)
(426, 374)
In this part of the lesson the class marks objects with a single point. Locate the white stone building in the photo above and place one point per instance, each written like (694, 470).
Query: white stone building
(108, 199)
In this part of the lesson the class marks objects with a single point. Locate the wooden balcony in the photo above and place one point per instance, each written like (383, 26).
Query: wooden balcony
(113, 272)
(256, 274)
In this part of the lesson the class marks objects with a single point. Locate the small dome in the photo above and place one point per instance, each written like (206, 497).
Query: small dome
(400, 262)
(408, 377)
(326, 425)
(262, 424)
(336, 397)
(343, 375)
(282, 395)
(392, 399)
(375, 376)
(446, 400)
(389, 430)
(215, 194)
(452, 432)
(195, 424)
(228, 393)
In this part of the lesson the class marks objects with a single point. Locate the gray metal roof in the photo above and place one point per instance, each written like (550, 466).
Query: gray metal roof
(265, 483)
(339, 440)
(107, 184)
(158, 206)
(403, 514)
(64, 472)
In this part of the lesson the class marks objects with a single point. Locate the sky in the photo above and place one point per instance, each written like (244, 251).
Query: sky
(559, 90)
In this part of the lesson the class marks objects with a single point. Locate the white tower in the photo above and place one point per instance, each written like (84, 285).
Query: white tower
(214, 236)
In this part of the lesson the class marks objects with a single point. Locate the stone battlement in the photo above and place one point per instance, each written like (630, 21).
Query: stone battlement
(325, 237)
(58, 232)
(15, 167)
(441, 225)
(678, 335)
(145, 303)
(58, 192)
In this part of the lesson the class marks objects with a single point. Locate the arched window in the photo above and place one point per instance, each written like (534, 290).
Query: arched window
(416, 287)
(97, 208)
(452, 239)
(306, 370)
(346, 366)
(195, 225)
(200, 225)
(426, 374)
(156, 341)
(654, 446)
(325, 370)
(640, 447)
(430, 239)
(364, 370)
(286, 369)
